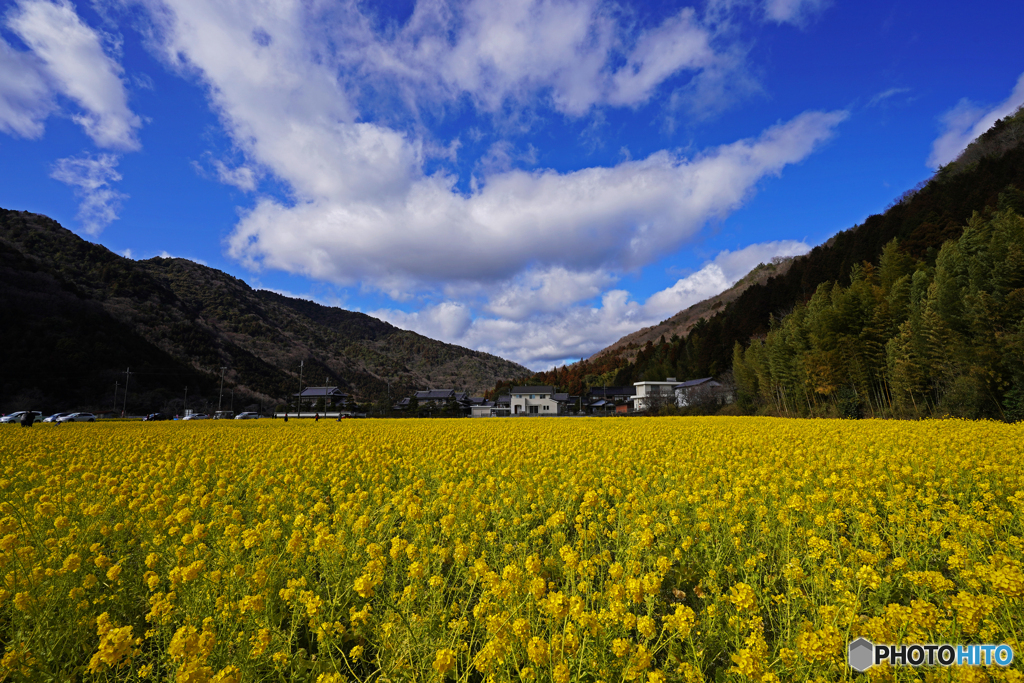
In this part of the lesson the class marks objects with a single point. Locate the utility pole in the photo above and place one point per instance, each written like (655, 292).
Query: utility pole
(232, 399)
(220, 401)
(128, 376)
(185, 408)
(298, 399)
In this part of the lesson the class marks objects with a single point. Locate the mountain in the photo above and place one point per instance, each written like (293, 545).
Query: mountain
(680, 324)
(77, 316)
(983, 185)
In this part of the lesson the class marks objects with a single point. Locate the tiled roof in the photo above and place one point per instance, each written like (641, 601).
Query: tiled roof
(533, 390)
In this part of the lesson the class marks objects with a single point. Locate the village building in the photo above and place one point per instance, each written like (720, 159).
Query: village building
(322, 398)
(538, 401)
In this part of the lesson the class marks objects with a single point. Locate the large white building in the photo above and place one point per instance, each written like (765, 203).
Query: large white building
(650, 394)
(537, 401)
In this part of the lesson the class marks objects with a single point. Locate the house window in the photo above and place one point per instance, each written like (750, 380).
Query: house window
(533, 410)
(531, 395)
(547, 407)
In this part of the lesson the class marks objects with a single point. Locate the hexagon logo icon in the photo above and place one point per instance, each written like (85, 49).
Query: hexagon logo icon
(860, 654)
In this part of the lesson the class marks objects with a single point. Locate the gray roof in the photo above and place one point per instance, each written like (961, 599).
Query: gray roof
(317, 392)
(533, 390)
(560, 397)
(696, 382)
(435, 394)
(504, 399)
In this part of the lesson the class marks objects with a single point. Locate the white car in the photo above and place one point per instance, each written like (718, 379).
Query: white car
(55, 417)
(247, 416)
(197, 416)
(77, 417)
(16, 417)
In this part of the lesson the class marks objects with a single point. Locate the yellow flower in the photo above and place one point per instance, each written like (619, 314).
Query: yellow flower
(444, 661)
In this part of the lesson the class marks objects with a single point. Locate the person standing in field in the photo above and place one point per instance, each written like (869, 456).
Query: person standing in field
(27, 418)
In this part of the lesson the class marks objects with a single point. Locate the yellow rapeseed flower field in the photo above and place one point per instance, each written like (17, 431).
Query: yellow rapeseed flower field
(669, 549)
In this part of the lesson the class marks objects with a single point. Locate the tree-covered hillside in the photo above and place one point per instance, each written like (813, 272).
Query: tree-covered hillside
(83, 314)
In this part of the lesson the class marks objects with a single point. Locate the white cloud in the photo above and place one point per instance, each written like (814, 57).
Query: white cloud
(242, 177)
(92, 177)
(796, 12)
(580, 51)
(25, 98)
(364, 209)
(540, 321)
(520, 253)
(620, 217)
(966, 121)
(71, 56)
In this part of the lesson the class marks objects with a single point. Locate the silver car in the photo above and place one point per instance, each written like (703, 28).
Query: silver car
(247, 416)
(16, 417)
(77, 417)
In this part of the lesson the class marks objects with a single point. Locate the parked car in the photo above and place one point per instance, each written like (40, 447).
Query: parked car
(16, 417)
(223, 415)
(197, 416)
(55, 417)
(247, 416)
(78, 417)
(155, 417)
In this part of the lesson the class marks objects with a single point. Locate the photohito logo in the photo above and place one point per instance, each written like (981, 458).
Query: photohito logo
(862, 654)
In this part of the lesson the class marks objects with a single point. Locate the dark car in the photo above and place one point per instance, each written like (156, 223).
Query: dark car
(155, 417)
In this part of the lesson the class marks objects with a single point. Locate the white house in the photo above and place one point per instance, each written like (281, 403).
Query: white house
(653, 394)
(705, 390)
(537, 401)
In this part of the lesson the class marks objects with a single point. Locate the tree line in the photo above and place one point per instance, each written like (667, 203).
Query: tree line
(905, 338)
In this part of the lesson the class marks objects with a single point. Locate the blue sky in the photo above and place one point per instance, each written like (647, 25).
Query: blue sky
(534, 178)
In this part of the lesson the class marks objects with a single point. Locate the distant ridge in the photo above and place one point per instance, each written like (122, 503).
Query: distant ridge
(680, 324)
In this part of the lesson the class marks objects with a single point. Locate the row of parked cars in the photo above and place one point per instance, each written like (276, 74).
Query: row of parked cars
(56, 417)
(89, 417)
(155, 417)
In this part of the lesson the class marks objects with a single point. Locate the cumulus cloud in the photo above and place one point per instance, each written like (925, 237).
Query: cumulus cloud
(618, 217)
(966, 121)
(92, 179)
(71, 54)
(541, 318)
(25, 97)
(364, 210)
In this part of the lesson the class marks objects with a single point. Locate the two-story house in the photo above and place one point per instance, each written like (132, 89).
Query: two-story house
(537, 401)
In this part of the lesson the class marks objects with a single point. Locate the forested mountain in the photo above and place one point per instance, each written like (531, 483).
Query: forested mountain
(885, 359)
(76, 316)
